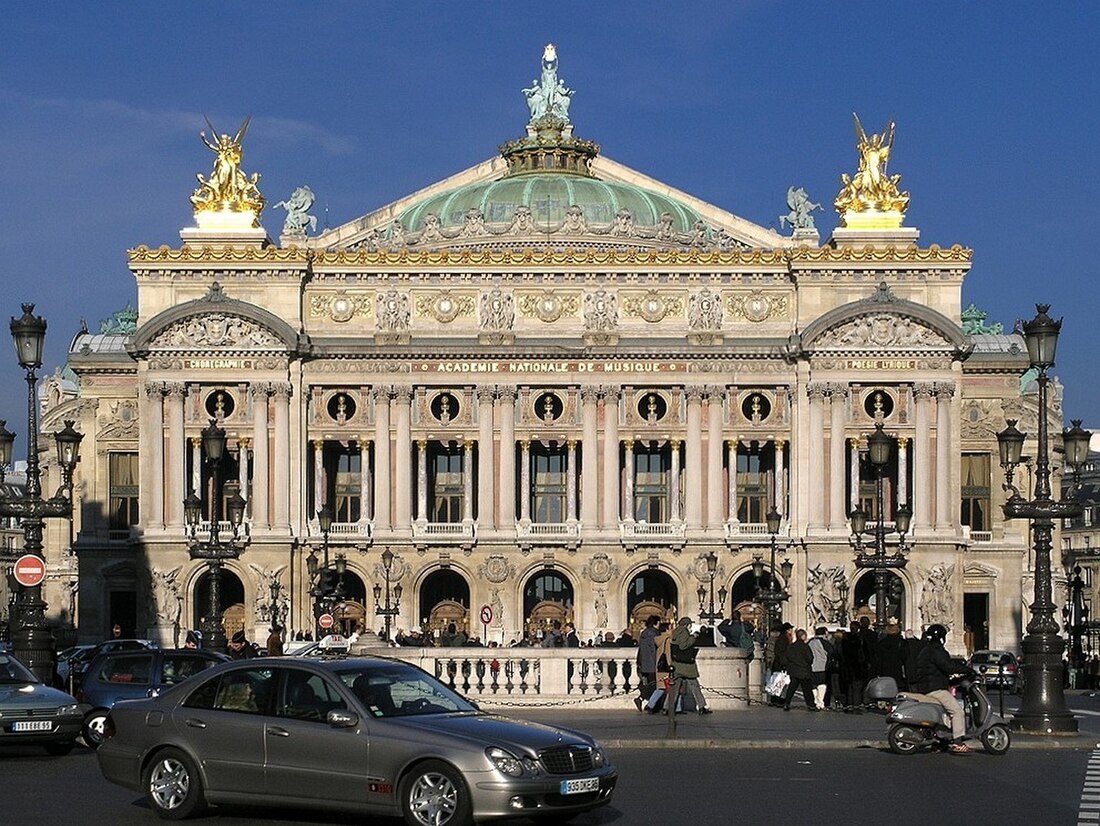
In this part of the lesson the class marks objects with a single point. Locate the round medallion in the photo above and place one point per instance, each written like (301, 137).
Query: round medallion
(342, 308)
(445, 308)
(757, 307)
(653, 309)
(548, 308)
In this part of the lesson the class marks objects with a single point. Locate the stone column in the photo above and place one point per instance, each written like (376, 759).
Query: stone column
(714, 457)
(922, 457)
(590, 497)
(506, 412)
(468, 480)
(261, 476)
(421, 480)
(402, 478)
(365, 512)
(319, 486)
(152, 455)
(780, 479)
(674, 481)
(732, 517)
(903, 470)
(486, 467)
(242, 467)
(176, 469)
(816, 392)
(281, 506)
(525, 482)
(693, 459)
(629, 515)
(838, 409)
(196, 467)
(945, 390)
(612, 498)
(571, 481)
(853, 472)
(383, 519)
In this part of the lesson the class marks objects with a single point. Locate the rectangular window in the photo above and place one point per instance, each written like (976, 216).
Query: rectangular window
(976, 499)
(347, 497)
(447, 486)
(651, 485)
(549, 487)
(123, 472)
(754, 480)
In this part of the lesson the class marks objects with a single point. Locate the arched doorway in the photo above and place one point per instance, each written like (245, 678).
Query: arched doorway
(743, 600)
(444, 598)
(863, 598)
(547, 596)
(349, 611)
(652, 592)
(231, 603)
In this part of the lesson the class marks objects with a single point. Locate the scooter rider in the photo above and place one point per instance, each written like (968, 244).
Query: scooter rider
(934, 670)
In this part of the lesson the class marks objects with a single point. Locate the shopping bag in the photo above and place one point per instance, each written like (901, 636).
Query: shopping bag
(777, 683)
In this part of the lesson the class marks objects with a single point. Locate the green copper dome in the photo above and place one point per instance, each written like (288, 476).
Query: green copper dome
(548, 195)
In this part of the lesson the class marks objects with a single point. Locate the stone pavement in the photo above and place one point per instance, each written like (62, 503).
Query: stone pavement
(758, 727)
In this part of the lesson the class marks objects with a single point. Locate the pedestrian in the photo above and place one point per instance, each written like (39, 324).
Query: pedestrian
(799, 662)
(116, 631)
(854, 665)
(240, 648)
(275, 642)
(822, 649)
(193, 639)
(647, 661)
(780, 644)
(569, 636)
(890, 655)
(685, 672)
(868, 638)
(452, 636)
(553, 638)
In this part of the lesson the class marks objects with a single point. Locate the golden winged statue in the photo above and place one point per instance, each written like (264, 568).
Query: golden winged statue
(871, 190)
(227, 189)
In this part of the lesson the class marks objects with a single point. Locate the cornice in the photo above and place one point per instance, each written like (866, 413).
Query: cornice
(214, 254)
(890, 254)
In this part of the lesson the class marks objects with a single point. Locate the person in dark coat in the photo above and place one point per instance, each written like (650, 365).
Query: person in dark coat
(647, 661)
(800, 659)
(684, 651)
(240, 648)
(854, 665)
(935, 668)
(890, 655)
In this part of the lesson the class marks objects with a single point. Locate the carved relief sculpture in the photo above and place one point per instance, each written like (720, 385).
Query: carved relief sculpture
(497, 311)
(165, 601)
(393, 312)
(936, 599)
(823, 600)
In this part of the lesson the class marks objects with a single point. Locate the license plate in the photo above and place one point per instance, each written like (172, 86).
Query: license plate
(32, 725)
(585, 784)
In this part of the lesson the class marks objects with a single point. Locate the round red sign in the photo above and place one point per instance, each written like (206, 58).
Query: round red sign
(30, 570)
(325, 620)
(486, 614)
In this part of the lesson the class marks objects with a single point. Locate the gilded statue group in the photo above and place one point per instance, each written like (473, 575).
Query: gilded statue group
(228, 188)
(871, 189)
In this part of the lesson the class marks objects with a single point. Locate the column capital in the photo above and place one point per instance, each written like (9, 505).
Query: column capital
(923, 390)
(838, 390)
(196, 441)
(817, 390)
(589, 394)
(485, 395)
(403, 394)
(259, 388)
(318, 444)
(467, 445)
(733, 444)
(422, 444)
(611, 395)
(675, 443)
(506, 394)
(175, 388)
(155, 389)
(780, 444)
(381, 392)
(945, 390)
(714, 392)
(694, 393)
(525, 445)
(853, 442)
(244, 442)
(571, 444)
(364, 444)
(903, 442)
(282, 390)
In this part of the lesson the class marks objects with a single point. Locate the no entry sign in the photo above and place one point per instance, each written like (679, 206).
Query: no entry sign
(325, 620)
(30, 570)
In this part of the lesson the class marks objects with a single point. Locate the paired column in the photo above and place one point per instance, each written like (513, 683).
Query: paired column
(468, 481)
(402, 485)
(152, 455)
(733, 443)
(922, 455)
(571, 481)
(318, 475)
(195, 485)
(590, 503)
(486, 470)
(382, 490)
(674, 482)
(944, 393)
(629, 515)
(421, 480)
(714, 457)
(611, 496)
(365, 512)
(838, 417)
(903, 470)
(506, 425)
(853, 472)
(281, 506)
(525, 482)
(693, 460)
(261, 478)
(242, 467)
(177, 393)
(816, 392)
(780, 479)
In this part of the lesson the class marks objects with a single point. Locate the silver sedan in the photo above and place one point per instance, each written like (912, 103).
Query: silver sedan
(372, 735)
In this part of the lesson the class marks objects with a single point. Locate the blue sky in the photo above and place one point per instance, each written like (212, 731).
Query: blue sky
(997, 109)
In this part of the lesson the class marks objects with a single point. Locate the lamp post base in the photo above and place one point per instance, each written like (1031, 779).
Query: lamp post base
(32, 639)
(1043, 709)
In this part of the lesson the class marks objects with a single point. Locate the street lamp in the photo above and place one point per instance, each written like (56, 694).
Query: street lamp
(1043, 709)
(318, 571)
(1075, 618)
(215, 549)
(771, 595)
(707, 611)
(878, 449)
(32, 639)
(275, 587)
(388, 609)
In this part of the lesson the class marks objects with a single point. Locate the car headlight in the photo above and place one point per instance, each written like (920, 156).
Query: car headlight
(597, 757)
(505, 761)
(71, 710)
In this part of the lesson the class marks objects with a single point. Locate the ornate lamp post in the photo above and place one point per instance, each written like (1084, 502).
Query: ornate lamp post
(215, 549)
(707, 611)
(319, 588)
(33, 641)
(388, 609)
(879, 446)
(771, 595)
(1075, 618)
(276, 588)
(1043, 709)
(842, 614)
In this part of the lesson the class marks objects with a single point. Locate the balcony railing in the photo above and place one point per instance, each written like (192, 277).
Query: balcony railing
(444, 531)
(977, 536)
(754, 531)
(344, 532)
(661, 532)
(535, 532)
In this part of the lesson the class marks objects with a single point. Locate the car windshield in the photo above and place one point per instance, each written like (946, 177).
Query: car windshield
(13, 671)
(400, 690)
(990, 657)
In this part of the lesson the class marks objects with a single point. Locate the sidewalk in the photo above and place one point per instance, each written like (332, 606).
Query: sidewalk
(758, 727)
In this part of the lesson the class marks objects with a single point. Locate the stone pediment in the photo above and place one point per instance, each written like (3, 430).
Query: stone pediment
(881, 331)
(215, 331)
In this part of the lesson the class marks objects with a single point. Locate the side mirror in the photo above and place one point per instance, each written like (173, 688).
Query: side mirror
(342, 719)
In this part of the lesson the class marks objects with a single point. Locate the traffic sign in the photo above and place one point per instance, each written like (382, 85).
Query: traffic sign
(30, 570)
(325, 621)
(486, 614)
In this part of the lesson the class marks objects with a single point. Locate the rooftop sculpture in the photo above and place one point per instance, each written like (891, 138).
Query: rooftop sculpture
(551, 96)
(228, 189)
(871, 198)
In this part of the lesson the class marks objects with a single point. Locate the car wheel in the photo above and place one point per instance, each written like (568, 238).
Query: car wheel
(60, 749)
(904, 739)
(434, 794)
(996, 739)
(172, 786)
(93, 728)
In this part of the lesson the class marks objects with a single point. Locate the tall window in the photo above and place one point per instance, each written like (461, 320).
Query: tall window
(548, 485)
(754, 480)
(868, 490)
(446, 481)
(344, 463)
(976, 501)
(651, 469)
(123, 471)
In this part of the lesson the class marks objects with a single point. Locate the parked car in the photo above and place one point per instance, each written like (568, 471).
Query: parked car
(996, 668)
(32, 712)
(369, 735)
(65, 659)
(131, 675)
(81, 660)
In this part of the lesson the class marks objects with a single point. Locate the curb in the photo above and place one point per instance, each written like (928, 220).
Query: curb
(879, 745)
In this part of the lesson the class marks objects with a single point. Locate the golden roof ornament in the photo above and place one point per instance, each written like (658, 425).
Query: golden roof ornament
(229, 199)
(870, 199)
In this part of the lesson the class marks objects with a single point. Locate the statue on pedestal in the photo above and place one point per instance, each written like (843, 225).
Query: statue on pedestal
(228, 189)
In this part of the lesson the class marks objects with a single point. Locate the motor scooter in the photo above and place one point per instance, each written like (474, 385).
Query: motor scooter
(916, 721)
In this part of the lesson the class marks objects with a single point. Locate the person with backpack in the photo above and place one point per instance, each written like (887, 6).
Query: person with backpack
(737, 633)
(685, 673)
(823, 651)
